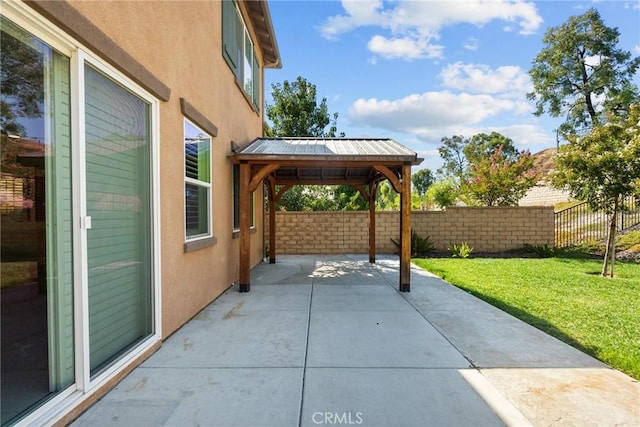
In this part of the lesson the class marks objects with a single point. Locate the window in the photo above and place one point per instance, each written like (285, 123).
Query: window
(236, 200)
(197, 186)
(238, 50)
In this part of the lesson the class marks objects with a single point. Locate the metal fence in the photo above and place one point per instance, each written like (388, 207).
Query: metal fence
(579, 224)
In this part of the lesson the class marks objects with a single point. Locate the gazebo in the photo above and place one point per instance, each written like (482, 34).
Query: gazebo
(359, 162)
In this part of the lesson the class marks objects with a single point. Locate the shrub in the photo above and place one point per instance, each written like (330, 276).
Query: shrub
(461, 251)
(543, 251)
(419, 245)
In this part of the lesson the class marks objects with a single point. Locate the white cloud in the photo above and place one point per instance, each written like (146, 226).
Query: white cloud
(472, 43)
(421, 21)
(636, 49)
(509, 81)
(430, 110)
(403, 48)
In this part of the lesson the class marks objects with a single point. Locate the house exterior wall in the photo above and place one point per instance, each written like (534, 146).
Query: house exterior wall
(180, 43)
(487, 229)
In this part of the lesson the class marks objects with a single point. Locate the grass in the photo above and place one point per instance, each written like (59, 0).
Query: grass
(564, 297)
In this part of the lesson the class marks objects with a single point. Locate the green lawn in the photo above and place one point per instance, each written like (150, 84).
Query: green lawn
(564, 297)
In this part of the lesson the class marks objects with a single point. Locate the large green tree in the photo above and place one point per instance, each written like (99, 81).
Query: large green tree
(601, 168)
(487, 169)
(581, 75)
(421, 181)
(296, 112)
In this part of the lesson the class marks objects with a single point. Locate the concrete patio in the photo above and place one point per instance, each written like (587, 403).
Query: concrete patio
(329, 340)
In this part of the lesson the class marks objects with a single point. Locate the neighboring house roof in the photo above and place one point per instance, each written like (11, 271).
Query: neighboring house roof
(263, 27)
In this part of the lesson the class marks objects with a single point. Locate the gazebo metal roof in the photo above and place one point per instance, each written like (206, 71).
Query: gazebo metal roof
(330, 148)
(359, 162)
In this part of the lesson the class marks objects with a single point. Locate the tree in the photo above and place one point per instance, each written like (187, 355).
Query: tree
(296, 112)
(22, 84)
(422, 180)
(487, 169)
(580, 74)
(500, 179)
(443, 193)
(455, 162)
(347, 198)
(386, 198)
(601, 168)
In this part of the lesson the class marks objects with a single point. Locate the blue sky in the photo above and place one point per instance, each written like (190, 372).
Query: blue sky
(417, 71)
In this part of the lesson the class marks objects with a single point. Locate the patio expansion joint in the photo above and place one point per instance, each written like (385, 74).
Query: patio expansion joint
(306, 353)
(472, 364)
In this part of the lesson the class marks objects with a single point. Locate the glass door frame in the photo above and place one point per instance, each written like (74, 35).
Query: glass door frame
(85, 386)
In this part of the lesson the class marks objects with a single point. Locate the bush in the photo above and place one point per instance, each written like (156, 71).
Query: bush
(543, 251)
(461, 251)
(419, 245)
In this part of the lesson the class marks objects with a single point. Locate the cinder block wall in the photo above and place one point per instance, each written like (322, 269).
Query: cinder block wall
(487, 229)
(543, 195)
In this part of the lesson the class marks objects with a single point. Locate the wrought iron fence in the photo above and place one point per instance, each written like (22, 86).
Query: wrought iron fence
(579, 224)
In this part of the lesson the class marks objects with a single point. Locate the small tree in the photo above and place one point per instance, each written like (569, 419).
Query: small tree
(601, 168)
(500, 179)
(442, 193)
(488, 168)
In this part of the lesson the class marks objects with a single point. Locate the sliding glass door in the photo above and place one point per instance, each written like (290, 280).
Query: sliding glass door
(118, 184)
(78, 262)
(36, 322)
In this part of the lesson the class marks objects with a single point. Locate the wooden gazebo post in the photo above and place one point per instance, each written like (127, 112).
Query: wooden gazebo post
(245, 225)
(405, 230)
(372, 222)
(272, 220)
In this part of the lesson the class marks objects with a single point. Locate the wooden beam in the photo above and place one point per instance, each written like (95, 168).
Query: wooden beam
(325, 181)
(405, 230)
(245, 225)
(393, 179)
(261, 175)
(272, 221)
(372, 222)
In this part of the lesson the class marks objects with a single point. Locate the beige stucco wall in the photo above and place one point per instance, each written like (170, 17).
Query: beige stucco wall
(180, 43)
(487, 229)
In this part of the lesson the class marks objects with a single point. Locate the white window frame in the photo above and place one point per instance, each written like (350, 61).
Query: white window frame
(84, 386)
(207, 185)
(253, 99)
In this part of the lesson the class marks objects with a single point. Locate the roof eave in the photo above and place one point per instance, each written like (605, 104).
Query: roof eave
(263, 26)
